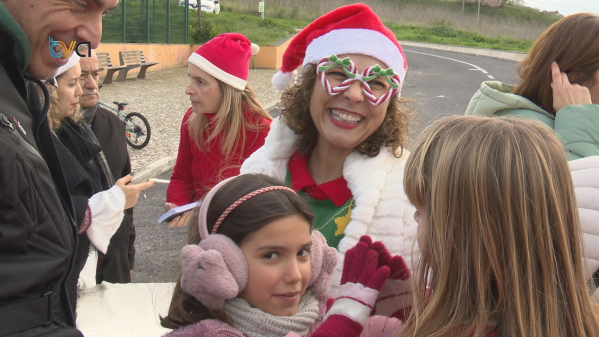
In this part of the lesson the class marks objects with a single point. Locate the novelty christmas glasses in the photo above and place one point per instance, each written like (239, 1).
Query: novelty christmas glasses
(378, 84)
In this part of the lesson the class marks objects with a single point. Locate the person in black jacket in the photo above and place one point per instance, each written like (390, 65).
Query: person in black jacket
(117, 265)
(37, 230)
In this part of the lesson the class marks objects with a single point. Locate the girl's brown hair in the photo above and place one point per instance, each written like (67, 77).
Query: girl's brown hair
(393, 133)
(230, 119)
(246, 218)
(572, 42)
(501, 245)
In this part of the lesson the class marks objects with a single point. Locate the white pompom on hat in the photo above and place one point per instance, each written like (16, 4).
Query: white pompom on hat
(351, 29)
(227, 58)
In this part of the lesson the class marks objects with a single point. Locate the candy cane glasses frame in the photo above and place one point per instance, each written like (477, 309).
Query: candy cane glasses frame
(350, 71)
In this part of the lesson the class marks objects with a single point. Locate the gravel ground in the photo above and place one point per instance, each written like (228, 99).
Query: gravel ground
(161, 98)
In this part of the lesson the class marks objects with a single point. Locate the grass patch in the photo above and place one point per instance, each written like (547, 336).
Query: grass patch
(262, 32)
(508, 27)
(448, 35)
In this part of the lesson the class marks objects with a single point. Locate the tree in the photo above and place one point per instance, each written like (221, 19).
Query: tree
(199, 13)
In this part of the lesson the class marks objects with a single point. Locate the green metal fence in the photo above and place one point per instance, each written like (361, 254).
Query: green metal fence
(147, 21)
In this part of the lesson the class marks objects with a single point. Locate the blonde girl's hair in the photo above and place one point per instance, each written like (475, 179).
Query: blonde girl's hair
(229, 121)
(54, 114)
(501, 248)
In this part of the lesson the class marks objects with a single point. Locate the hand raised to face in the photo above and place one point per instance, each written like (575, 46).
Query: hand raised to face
(565, 93)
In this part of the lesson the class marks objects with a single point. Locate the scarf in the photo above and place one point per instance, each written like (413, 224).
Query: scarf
(74, 138)
(87, 115)
(87, 118)
(254, 322)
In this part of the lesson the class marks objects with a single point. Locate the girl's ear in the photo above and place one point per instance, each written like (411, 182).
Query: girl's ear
(323, 261)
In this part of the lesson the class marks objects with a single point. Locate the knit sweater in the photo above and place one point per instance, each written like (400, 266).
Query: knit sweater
(382, 210)
(196, 172)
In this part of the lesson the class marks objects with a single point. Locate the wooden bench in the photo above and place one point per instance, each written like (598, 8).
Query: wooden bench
(104, 63)
(131, 59)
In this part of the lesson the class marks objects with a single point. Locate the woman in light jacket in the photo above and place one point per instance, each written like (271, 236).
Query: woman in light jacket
(559, 85)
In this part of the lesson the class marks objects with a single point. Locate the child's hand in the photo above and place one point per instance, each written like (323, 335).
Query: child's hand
(397, 265)
(395, 298)
(564, 93)
(363, 276)
(361, 266)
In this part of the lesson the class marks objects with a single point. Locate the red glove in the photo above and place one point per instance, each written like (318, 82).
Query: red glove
(362, 278)
(399, 269)
(395, 297)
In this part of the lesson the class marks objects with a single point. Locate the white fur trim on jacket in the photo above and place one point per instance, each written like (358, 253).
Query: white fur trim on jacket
(585, 173)
(382, 209)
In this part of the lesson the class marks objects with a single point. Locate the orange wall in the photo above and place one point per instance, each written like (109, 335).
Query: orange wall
(171, 56)
(271, 57)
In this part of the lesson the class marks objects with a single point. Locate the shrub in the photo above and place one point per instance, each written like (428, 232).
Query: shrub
(205, 32)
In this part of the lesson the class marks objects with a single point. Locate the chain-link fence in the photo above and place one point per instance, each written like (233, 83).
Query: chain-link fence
(147, 21)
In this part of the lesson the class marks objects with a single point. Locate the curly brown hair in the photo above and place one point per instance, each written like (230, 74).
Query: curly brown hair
(54, 115)
(393, 133)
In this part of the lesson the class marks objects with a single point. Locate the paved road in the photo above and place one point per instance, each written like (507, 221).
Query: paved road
(441, 83)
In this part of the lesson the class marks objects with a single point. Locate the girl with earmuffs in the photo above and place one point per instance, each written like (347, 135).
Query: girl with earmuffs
(261, 271)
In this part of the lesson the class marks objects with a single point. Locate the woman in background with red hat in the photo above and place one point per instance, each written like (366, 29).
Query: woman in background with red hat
(342, 135)
(224, 124)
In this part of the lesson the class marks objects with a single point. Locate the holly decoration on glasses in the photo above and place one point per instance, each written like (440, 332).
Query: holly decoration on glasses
(350, 70)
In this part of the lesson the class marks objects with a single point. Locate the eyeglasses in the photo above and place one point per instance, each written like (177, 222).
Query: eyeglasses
(336, 75)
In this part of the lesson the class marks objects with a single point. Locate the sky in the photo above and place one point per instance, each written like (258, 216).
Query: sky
(565, 7)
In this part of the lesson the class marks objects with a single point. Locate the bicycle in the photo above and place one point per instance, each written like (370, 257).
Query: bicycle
(137, 127)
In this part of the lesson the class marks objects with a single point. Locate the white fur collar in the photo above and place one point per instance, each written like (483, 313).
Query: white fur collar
(365, 176)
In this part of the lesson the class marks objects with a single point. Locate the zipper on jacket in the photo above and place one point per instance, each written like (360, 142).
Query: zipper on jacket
(8, 124)
(4, 120)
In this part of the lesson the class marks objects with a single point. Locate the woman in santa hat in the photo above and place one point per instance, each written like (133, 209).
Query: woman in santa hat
(342, 135)
(224, 124)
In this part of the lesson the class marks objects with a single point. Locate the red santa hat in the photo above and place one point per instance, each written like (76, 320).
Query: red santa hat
(227, 58)
(351, 29)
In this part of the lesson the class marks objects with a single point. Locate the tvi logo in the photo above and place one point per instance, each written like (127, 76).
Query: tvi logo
(67, 52)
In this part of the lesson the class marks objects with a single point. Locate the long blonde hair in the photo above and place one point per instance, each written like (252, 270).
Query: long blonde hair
(501, 248)
(230, 119)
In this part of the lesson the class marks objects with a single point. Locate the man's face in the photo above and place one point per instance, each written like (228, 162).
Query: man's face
(89, 81)
(63, 20)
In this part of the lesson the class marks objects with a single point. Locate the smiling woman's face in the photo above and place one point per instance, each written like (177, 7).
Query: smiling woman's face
(203, 90)
(69, 90)
(346, 120)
